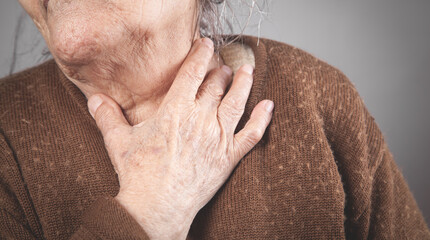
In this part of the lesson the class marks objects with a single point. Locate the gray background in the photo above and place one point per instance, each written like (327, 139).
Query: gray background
(381, 45)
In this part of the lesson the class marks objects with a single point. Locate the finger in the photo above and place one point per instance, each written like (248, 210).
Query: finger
(233, 104)
(254, 129)
(192, 71)
(212, 90)
(107, 113)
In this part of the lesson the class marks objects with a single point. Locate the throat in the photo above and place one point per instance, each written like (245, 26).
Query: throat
(138, 93)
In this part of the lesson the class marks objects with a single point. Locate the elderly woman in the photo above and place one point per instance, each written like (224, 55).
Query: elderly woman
(169, 146)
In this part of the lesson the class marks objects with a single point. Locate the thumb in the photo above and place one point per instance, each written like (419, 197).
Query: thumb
(107, 113)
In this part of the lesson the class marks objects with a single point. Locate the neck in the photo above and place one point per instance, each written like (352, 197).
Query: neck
(139, 88)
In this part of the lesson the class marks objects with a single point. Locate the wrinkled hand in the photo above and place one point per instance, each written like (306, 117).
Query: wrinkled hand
(172, 164)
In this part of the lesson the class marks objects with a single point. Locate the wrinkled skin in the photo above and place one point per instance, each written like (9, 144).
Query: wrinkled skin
(166, 119)
(170, 165)
(129, 50)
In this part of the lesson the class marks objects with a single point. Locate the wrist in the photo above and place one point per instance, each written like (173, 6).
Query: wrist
(159, 222)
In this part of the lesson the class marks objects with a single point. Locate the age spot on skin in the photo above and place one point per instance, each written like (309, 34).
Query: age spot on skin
(157, 150)
(124, 154)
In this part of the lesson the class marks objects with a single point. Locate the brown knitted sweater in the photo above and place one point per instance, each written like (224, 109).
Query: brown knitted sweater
(322, 170)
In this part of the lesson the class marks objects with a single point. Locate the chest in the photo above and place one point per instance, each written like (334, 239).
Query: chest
(288, 186)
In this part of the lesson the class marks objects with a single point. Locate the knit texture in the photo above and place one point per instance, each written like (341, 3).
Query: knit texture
(321, 171)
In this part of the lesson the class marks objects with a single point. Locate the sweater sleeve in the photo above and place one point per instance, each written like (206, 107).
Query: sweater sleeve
(394, 213)
(104, 219)
(379, 204)
(13, 224)
(15, 221)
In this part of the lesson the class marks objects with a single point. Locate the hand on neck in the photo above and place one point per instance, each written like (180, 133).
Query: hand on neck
(138, 89)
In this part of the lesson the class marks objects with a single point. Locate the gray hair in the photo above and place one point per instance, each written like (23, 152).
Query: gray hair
(217, 17)
(209, 20)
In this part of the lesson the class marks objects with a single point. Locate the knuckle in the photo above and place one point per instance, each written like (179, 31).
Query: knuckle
(213, 90)
(206, 50)
(255, 135)
(195, 71)
(230, 115)
(236, 103)
(175, 107)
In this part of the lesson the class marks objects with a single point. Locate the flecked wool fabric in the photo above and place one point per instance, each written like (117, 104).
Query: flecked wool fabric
(321, 171)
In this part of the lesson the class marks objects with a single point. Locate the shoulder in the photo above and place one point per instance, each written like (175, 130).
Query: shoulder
(24, 81)
(305, 88)
(308, 80)
(305, 68)
(27, 101)
(293, 73)
(22, 91)
(297, 72)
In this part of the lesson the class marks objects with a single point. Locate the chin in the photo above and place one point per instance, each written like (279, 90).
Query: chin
(78, 36)
(74, 51)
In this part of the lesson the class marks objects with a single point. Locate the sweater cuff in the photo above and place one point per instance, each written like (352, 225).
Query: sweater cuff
(107, 219)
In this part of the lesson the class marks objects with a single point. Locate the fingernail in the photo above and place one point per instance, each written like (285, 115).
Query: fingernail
(94, 103)
(248, 69)
(208, 42)
(269, 106)
(227, 69)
